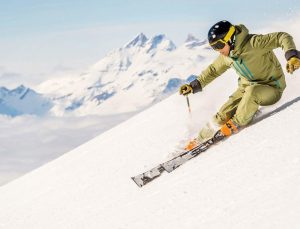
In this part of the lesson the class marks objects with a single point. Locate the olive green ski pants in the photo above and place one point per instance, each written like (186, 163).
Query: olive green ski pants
(244, 103)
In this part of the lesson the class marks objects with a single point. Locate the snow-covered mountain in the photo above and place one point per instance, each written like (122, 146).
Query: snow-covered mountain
(23, 100)
(251, 180)
(130, 78)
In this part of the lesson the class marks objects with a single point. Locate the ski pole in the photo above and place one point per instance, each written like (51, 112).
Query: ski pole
(188, 103)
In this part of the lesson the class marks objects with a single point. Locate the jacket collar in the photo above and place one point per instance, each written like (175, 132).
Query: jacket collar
(240, 39)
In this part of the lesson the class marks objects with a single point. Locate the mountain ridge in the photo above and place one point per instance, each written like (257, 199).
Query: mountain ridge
(143, 72)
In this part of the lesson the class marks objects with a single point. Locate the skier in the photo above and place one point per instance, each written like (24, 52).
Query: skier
(261, 79)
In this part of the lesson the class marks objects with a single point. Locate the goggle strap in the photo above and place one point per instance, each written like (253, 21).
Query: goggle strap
(229, 34)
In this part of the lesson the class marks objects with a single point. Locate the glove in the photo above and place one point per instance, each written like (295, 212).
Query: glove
(185, 89)
(293, 64)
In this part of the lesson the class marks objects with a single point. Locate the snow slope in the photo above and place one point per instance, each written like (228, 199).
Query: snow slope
(252, 180)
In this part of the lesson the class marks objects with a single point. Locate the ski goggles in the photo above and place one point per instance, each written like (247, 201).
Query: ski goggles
(220, 44)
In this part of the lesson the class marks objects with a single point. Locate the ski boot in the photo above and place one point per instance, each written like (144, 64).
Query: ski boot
(192, 144)
(229, 128)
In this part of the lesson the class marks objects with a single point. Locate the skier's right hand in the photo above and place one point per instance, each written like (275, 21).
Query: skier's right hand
(185, 89)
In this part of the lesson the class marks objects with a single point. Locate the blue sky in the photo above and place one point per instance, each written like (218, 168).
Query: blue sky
(39, 38)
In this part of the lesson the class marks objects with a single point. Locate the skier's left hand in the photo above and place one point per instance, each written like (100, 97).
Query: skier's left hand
(293, 64)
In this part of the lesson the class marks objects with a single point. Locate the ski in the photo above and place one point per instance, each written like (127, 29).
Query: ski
(172, 164)
(148, 176)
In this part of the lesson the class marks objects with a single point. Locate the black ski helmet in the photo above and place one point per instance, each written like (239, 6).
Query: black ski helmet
(222, 31)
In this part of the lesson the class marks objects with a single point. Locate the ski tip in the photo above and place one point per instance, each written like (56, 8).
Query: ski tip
(138, 182)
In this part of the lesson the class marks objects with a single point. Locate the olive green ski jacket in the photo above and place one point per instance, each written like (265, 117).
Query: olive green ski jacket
(252, 58)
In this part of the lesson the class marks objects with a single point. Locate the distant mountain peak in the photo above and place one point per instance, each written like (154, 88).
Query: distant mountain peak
(23, 100)
(139, 41)
(158, 38)
(191, 41)
(20, 88)
(161, 41)
(191, 38)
